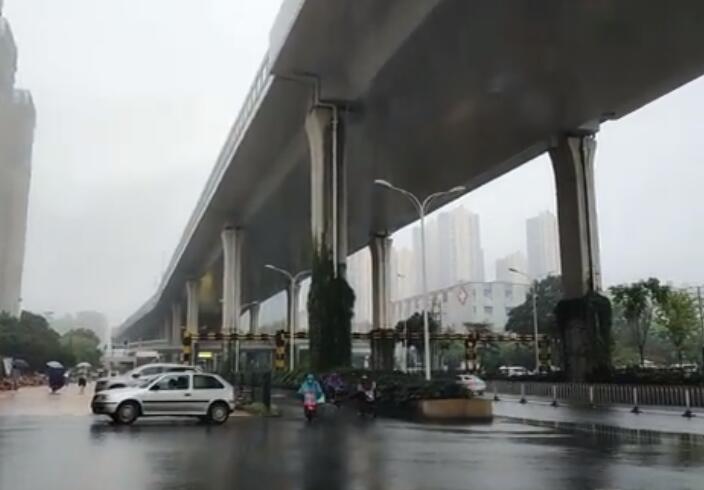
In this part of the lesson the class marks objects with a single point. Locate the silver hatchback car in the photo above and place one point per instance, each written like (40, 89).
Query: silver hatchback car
(206, 396)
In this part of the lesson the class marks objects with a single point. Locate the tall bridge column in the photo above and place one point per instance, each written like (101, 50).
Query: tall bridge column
(328, 189)
(330, 342)
(583, 316)
(231, 286)
(382, 349)
(175, 336)
(192, 317)
(254, 318)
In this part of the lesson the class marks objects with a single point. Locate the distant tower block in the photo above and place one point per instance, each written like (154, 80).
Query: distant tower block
(17, 120)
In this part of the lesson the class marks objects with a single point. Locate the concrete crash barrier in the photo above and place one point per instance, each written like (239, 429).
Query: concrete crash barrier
(477, 409)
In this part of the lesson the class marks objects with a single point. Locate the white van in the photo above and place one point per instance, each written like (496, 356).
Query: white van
(512, 371)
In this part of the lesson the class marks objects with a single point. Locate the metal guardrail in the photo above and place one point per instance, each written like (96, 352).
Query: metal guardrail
(262, 80)
(250, 105)
(606, 394)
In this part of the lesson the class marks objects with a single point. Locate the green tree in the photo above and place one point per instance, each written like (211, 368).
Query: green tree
(413, 326)
(638, 303)
(30, 338)
(678, 317)
(330, 312)
(549, 293)
(82, 344)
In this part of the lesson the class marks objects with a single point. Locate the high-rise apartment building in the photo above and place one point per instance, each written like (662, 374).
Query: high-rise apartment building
(470, 255)
(514, 261)
(16, 137)
(453, 248)
(459, 255)
(543, 245)
(403, 273)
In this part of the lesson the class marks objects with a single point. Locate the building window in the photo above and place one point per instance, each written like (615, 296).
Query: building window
(488, 310)
(444, 296)
(509, 293)
(487, 292)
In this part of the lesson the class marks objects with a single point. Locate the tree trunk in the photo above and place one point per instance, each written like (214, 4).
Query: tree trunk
(641, 353)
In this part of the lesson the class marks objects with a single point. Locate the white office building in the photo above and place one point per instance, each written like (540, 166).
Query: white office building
(467, 303)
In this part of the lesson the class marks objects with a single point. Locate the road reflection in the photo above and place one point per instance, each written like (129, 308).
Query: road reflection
(335, 452)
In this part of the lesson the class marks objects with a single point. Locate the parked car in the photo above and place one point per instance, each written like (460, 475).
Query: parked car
(473, 383)
(191, 394)
(685, 368)
(512, 371)
(139, 375)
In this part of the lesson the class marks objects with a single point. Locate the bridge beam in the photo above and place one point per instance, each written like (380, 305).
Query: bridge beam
(328, 184)
(583, 316)
(382, 349)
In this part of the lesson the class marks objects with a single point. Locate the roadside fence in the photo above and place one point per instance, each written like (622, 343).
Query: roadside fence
(602, 394)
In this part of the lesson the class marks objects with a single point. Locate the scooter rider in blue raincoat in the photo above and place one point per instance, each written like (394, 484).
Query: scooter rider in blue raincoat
(311, 385)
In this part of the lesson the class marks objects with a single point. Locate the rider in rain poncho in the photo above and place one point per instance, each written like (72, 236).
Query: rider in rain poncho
(311, 385)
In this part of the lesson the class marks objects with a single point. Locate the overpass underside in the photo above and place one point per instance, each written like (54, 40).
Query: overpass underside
(427, 94)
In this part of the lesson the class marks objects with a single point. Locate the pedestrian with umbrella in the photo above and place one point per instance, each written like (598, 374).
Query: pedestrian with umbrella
(83, 368)
(56, 376)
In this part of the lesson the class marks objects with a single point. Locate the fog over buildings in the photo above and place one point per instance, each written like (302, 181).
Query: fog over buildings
(134, 100)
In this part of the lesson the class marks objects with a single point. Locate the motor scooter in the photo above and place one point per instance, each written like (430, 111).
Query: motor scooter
(310, 406)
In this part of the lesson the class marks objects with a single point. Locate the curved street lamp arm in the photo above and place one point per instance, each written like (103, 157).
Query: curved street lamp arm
(428, 200)
(301, 275)
(280, 271)
(410, 196)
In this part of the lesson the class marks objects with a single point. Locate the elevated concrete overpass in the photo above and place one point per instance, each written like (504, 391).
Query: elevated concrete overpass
(427, 94)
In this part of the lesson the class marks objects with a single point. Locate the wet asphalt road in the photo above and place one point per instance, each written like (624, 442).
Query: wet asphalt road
(57, 445)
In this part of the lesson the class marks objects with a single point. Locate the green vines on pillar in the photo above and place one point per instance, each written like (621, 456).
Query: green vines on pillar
(330, 312)
(593, 316)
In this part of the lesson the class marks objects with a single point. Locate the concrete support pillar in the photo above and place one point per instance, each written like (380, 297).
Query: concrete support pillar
(192, 307)
(292, 300)
(382, 348)
(231, 293)
(191, 319)
(175, 323)
(166, 329)
(573, 163)
(380, 247)
(254, 318)
(231, 279)
(328, 183)
(584, 316)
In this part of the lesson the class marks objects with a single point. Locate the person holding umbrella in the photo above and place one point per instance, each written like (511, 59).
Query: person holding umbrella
(56, 376)
(83, 368)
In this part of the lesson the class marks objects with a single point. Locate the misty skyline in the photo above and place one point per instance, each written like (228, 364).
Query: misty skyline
(133, 104)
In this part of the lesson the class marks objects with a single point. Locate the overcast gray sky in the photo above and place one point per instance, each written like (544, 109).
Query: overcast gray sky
(134, 99)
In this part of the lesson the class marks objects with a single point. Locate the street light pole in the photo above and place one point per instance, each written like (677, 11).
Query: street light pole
(405, 333)
(535, 315)
(701, 324)
(292, 306)
(422, 208)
